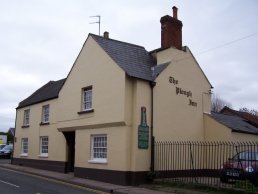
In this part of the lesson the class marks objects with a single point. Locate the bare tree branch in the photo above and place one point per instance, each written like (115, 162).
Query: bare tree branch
(250, 111)
(218, 103)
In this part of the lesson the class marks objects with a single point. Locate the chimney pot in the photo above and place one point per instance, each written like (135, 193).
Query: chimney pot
(106, 34)
(174, 8)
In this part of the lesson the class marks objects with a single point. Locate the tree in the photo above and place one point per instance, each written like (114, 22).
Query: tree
(250, 111)
(218, 103)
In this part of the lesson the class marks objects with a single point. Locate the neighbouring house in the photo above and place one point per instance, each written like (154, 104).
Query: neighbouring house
(231, 125)
(252, 119)
(99, 121)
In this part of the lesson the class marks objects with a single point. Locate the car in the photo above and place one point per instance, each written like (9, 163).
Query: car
(6, 152)
(2, 146)
(242, 166)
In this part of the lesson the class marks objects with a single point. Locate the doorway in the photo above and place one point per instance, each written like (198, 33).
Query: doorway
(70, 140)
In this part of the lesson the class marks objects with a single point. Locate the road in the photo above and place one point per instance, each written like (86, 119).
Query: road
(12, 182)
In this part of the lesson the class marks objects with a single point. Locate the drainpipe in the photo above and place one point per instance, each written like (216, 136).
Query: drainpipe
(152, 85)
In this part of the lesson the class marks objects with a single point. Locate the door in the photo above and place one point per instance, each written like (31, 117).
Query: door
(70, 140)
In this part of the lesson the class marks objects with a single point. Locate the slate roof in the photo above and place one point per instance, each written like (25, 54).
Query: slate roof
(133, 59)
(156, 70)
(253, 119)
(236, 123)
(47, 92)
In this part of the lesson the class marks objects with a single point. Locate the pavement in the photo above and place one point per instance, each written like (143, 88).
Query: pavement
(92, 184)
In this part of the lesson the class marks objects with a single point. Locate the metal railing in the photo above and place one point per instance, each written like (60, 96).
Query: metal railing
(200, 162)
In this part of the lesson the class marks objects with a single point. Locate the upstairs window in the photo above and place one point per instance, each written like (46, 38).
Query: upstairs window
(26, 118)
(45, 114)
(87, 99)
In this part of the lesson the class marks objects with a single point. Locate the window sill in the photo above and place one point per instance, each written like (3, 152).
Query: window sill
(47, 123)
(43, 156)
(25, 126)
(86, 111)
(98, 161)
(23, 155)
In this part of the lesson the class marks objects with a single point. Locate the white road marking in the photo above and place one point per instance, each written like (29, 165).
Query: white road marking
(9, 183)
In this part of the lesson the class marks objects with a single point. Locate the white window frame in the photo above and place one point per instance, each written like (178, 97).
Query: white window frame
(26, 118)
(98, 149)
(44, 142)
(87, 99)
(45, 113)
(24, 146)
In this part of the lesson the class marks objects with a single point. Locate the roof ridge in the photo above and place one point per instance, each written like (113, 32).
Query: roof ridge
(90, 34)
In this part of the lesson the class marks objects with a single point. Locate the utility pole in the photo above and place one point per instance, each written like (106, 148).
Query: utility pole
(98, 22)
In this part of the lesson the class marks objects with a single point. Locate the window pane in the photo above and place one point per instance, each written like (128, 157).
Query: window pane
(87, 99)
(24, 146)
(43, 145)
(26, 118)
(45, 114)
(99, 149)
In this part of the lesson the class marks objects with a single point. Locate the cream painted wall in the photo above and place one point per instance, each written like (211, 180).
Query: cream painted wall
(95, 68)
(57, 143)
(140, 158)
(129, 100)
(123, 152)
(215, 131)
(244, 137)
(118, 155)
(174, 118)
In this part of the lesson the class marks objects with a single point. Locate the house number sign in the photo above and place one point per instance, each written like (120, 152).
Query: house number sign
(143, 131)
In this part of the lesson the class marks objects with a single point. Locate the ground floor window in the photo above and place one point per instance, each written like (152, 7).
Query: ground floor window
(24, 146)
(44, 146)
(99, 148)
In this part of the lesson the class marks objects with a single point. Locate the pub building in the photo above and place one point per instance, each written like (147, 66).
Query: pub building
(100, 121)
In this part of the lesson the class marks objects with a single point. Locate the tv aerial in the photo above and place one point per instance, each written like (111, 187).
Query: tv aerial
(97, 22)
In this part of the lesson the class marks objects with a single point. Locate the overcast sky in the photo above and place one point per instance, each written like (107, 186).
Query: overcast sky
(40, 40)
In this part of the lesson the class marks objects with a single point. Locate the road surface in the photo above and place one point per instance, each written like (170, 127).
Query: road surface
(13, 182)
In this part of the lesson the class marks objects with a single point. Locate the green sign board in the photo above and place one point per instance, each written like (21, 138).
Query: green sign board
(143, 131)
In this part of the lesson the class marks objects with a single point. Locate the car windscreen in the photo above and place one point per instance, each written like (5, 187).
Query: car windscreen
(7, 148)
(247, 156)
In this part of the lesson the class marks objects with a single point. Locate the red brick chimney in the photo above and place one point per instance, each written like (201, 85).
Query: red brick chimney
(171, 31)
